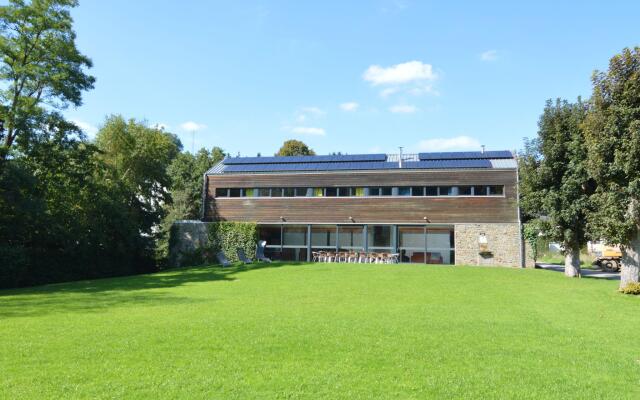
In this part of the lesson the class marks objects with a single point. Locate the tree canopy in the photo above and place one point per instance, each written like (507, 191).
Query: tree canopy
(41, 70)
(294, 147)
(554, 178)
(612, 130)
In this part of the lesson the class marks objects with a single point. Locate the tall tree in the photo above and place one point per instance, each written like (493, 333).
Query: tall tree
(138, 157)
(555, 182)
(295, 148)
(41, 70)
(613, 134)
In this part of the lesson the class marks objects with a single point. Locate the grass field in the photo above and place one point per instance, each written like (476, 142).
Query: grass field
(322, 331)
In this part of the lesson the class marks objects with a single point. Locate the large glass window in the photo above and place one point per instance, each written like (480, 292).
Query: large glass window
(411, 243)
(440, 246)
(351, 237)
(464, 190)
(323, 237)
(276, 192)
(496, 190)
(221, 192)
(380, 238)
(331, 192)
(480, 190)
(447, 191)
(272, 234)
(417, 191)
(431, 191)
(294, 242)
(303, 192)
(404, 191)
(264, 192)
(235, 192)
(289, 192)
(345, 192)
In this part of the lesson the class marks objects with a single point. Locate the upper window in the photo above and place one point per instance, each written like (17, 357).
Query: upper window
(222, 192)
(464, 190)
(331, 192)
(235, 192)
(289, 192)
(404, 191)
(496, 190)
(480, 190)
(417, 191)
(431, 191)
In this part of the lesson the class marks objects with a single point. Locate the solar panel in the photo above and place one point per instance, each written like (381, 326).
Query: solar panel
(466, 155)
(306, 159)
(346, 166)
(448, 164)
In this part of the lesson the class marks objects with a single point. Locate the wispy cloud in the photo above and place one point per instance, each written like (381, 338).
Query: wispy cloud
(489, 55)
(412, 77)
(89, 129)
(349, 106)
(442, 144)
(191, 126)
(308, 130)
(403, 109)
(411, 71)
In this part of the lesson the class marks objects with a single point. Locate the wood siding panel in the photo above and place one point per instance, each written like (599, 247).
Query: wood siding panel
(365, 209)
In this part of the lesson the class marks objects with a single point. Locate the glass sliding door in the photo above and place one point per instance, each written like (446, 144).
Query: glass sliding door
(323, 237)
(272, 234)
(380, 238)
(294, 242)
(440, 245)
(351, 237)
(411, 244)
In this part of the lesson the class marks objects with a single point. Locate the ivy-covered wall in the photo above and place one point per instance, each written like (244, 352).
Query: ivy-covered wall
(196, 242)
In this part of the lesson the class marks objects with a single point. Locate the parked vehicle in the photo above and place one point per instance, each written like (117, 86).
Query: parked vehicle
(607, 257)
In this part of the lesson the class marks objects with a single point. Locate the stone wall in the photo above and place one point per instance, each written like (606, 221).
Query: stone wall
(186, 238)
(503, 244)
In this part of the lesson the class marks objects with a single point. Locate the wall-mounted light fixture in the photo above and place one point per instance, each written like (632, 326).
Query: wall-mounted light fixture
(282, 219)
(351, 219)
(426, 219)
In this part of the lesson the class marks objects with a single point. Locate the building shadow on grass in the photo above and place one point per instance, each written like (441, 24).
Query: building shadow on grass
(101, 294)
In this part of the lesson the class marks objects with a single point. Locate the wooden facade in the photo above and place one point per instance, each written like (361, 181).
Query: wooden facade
(342, 210)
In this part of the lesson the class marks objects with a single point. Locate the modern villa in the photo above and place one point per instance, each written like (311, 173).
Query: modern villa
(440, 208)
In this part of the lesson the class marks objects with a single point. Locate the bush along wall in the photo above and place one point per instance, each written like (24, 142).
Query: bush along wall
(196, 242)
(229, 236)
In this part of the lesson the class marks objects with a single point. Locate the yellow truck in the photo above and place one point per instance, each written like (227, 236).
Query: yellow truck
(606, 256)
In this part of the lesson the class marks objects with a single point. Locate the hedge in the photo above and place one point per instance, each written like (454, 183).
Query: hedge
(229, 236)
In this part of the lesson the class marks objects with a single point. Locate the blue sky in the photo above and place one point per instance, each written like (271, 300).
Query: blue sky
(354, 77)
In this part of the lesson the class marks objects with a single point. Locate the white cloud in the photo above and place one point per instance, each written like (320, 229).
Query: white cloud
(191, 126)
(307, 130)
(86, 127)
(489, 55)
(412, 71)
(349, 106)
(389, 91)
(443, 144)
(403, 109)
(313, 111)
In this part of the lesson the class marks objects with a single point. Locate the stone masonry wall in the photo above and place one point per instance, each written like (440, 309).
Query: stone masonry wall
(503, 244)
(186, 237)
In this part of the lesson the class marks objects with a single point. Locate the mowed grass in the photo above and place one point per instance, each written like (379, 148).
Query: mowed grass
(322, 331)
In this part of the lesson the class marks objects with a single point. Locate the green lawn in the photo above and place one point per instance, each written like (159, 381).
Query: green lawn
(322, 331)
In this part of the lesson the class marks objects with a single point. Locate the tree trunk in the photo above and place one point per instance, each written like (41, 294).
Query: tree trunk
(630, 266)
(572, 262)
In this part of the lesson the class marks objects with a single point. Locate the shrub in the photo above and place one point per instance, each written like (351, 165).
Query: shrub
(631, 288)
(229, 236)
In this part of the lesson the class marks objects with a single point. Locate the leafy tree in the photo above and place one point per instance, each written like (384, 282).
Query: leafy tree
(295, 148)
(555, 184)
(186, 173)
(137, 156)
(613, 135)
(41, 70)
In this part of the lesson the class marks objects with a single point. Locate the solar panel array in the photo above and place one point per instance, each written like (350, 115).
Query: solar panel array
(335, 166)
(466, 155)
(345, 166)
(306, 159)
